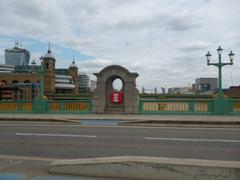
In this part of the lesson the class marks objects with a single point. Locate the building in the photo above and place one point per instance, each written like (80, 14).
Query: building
(83, 81)
(17, 56)
(6, 68)
(233, 92)
(180, 90)
(205, 85)
(22, 81)
(149, 91)
(64, 84)
(19, 91)
(93, 85)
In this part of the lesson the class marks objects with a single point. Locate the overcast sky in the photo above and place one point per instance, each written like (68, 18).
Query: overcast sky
(165, 41)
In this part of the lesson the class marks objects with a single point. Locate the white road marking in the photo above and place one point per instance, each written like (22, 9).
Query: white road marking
(119, 126)
(56, 135)
(29, 158)
(194, 140)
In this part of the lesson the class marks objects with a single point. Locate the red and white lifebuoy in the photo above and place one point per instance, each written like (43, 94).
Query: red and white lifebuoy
(116, 97)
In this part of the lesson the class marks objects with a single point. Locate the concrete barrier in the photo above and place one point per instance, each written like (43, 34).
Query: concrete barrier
(149, 168)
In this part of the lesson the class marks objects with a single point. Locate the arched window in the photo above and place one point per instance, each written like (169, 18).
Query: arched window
(27, 81)
(47, 65)
(117, 84)
(15, 81)
(3, 82)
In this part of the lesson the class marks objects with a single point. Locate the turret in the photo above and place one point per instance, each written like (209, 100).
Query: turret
(73, 71)
(49, 75)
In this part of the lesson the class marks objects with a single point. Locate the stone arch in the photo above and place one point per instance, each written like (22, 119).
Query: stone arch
(102, 102)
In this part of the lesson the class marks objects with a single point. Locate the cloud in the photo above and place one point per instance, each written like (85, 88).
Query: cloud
(164, 41)
(78, 44)
(194, 46)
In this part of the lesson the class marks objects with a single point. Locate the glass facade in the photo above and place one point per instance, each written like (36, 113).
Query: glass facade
(17, 56)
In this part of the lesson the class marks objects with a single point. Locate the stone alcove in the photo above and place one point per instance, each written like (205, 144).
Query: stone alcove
(102, 96)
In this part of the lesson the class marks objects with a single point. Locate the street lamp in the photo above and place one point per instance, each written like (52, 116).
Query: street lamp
(219, 64)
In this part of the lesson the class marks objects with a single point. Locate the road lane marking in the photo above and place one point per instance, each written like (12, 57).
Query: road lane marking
(119, 127)
(194, 140)
(56, 135)
(28, 158)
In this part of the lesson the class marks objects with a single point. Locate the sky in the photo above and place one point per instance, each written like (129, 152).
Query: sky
(164, 41)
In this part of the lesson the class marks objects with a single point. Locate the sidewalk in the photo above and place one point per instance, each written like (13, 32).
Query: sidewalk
(181, 119)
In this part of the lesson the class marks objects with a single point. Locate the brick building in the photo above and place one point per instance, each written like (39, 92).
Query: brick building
(233, 92)
(13, 83)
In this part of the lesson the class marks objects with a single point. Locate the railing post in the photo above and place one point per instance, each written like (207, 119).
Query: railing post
(219, 106)
(191, 106)
(40, 106)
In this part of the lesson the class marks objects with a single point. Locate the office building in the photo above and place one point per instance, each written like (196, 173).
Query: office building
(205, 85)
(83, 82)
(17, 56)
(21, 82)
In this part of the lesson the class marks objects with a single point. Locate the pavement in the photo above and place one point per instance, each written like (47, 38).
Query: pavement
(131, 119)
(32, 168)
(149, 168)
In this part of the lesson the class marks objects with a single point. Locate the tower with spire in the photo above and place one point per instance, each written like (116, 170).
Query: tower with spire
(73, 71)
(49, 62)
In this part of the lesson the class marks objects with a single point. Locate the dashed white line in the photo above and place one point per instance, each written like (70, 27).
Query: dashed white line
(29, 158)
(119, 126)
(193, 140)
(56, 135)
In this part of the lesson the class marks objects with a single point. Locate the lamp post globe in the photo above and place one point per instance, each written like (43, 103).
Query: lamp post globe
(219, 64)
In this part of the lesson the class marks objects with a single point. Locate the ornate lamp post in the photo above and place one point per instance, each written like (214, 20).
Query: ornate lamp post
(219, 64)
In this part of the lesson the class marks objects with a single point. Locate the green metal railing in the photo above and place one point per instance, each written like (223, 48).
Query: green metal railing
(16, 107)
(46, 106)
(176, 106)
(233, 106)
(68, 106)
(213, 106)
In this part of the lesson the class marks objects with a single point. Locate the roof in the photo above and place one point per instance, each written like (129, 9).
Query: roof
(73, 65)
(116, 67)
(64, 86)
(49, 54)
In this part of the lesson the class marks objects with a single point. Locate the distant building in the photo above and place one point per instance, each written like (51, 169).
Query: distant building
(180, 90)
(17, 56)
(149, 91)
(93, 85)
(233, 92)
(66, 79)
(205, 85)
(63, 84)
(83, 82)
(21, 82)
(6, 68)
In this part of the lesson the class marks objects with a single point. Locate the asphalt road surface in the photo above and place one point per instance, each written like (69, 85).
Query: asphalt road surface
(76, 141)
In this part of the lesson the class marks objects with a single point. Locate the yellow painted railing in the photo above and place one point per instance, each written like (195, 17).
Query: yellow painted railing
(8, 106)
(75, 106)
(236, 106)
(166, 106)
(201, 107)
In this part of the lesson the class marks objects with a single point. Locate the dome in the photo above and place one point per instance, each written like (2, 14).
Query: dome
(73, 65)
(49, 54)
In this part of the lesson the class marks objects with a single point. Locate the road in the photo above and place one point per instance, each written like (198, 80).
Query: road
(77, 141)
